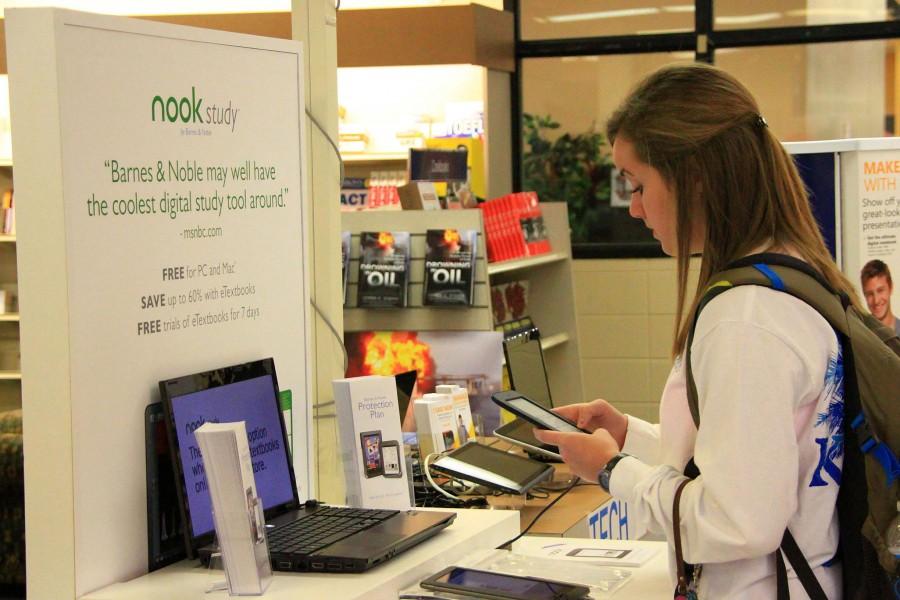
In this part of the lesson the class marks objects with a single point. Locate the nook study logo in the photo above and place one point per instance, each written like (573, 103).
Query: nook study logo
(191, 111)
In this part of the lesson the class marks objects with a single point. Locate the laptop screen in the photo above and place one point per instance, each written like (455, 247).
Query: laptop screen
(248, 393)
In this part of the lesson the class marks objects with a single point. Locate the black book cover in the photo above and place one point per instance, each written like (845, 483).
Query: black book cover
(449, 267)
(345, 262)
(383, 269)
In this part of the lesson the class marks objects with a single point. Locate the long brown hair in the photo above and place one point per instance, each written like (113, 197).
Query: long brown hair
(702, 130)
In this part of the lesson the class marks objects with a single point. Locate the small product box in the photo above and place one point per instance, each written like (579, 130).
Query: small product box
(463, 425)
(236, 507)
(371, 442)
(434, 423)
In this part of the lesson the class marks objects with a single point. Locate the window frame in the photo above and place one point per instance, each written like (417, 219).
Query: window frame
(704, 41)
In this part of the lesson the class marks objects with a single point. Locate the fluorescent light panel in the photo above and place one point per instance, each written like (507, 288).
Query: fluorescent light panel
(748, 19)
(604, 14)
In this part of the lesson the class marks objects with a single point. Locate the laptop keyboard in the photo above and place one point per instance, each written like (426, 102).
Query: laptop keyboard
(326, 526)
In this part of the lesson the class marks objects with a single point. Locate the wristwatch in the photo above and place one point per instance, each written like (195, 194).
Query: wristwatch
(606, 472)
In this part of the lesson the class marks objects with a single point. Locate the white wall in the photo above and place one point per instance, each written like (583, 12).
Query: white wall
(626, 316)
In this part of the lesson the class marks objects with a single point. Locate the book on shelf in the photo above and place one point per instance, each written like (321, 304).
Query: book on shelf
(354, 194)
(237, 508)
(449, 267)
(8, 213)
(514, 227)
(383, 269)
(509, 301)
(372, 454)
(345, 263)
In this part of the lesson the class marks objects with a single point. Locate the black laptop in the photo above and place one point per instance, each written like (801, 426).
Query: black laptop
(528, 375)
(304, 536)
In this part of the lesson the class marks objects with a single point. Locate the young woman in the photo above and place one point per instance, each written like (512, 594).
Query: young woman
(709, 178)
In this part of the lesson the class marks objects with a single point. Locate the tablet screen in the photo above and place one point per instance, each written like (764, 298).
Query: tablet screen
(493, 467)
(549, 419)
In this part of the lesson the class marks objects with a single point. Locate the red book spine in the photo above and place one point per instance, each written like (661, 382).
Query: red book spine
(490, 237)
(509, 240)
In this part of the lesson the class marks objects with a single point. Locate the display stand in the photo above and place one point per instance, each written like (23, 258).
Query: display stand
(551, 301)
(415, 316)
(10, 373)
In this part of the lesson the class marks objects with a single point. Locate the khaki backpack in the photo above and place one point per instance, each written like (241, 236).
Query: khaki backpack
(867, 501)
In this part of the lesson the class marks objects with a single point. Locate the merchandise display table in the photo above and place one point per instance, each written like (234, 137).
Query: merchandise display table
(473, 530)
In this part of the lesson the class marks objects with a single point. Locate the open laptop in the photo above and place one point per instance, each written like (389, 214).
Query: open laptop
(527, 374)
(301, 536)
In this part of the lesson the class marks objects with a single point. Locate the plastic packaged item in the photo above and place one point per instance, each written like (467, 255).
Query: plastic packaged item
(603, 582)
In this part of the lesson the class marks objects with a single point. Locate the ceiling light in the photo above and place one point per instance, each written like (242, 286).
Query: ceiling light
(679, 8)
(855, 13)
(748, 19)
(605, 14)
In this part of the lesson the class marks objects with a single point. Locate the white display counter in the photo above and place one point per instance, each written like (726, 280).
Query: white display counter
(473, 530)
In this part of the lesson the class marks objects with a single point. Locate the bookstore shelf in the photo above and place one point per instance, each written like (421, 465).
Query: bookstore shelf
(551, 341)
(10, 395)
(525, 263)
(551, 298)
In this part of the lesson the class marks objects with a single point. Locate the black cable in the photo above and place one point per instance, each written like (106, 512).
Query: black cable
(507, 545)
(538, 493)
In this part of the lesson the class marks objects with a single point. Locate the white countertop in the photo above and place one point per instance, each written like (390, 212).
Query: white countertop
(472, 530)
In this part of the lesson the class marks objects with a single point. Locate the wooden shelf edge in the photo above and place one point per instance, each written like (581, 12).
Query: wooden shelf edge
(525, 263)
(470, 34)
(9, 239)
(551, 341)
(373, 157)
(10, 375)
(9, 316)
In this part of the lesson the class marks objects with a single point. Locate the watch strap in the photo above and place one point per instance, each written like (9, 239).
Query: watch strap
(606, 472)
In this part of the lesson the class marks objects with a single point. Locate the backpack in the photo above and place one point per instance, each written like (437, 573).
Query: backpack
(867, 500)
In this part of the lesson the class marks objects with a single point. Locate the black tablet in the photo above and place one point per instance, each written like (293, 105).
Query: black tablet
(493, 585)
(510, 473)
(521, 406)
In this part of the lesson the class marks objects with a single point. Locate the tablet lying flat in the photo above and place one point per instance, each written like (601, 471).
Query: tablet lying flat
(519, 432)
(493, 468)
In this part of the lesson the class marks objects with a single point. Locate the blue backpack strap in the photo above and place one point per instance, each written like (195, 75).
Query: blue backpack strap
(771, 275)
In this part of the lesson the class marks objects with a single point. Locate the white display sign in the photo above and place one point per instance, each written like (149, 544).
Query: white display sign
(180, 153)
(872, 224)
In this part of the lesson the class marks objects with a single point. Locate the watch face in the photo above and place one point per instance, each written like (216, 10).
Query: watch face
(604, 480)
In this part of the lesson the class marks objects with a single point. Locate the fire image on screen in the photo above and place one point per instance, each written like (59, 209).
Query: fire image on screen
(252, 401)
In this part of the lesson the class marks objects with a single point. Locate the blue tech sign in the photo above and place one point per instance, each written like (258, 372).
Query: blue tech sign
(610, 521)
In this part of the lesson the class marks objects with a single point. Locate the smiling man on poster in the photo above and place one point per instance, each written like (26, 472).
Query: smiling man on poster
(877, 287)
